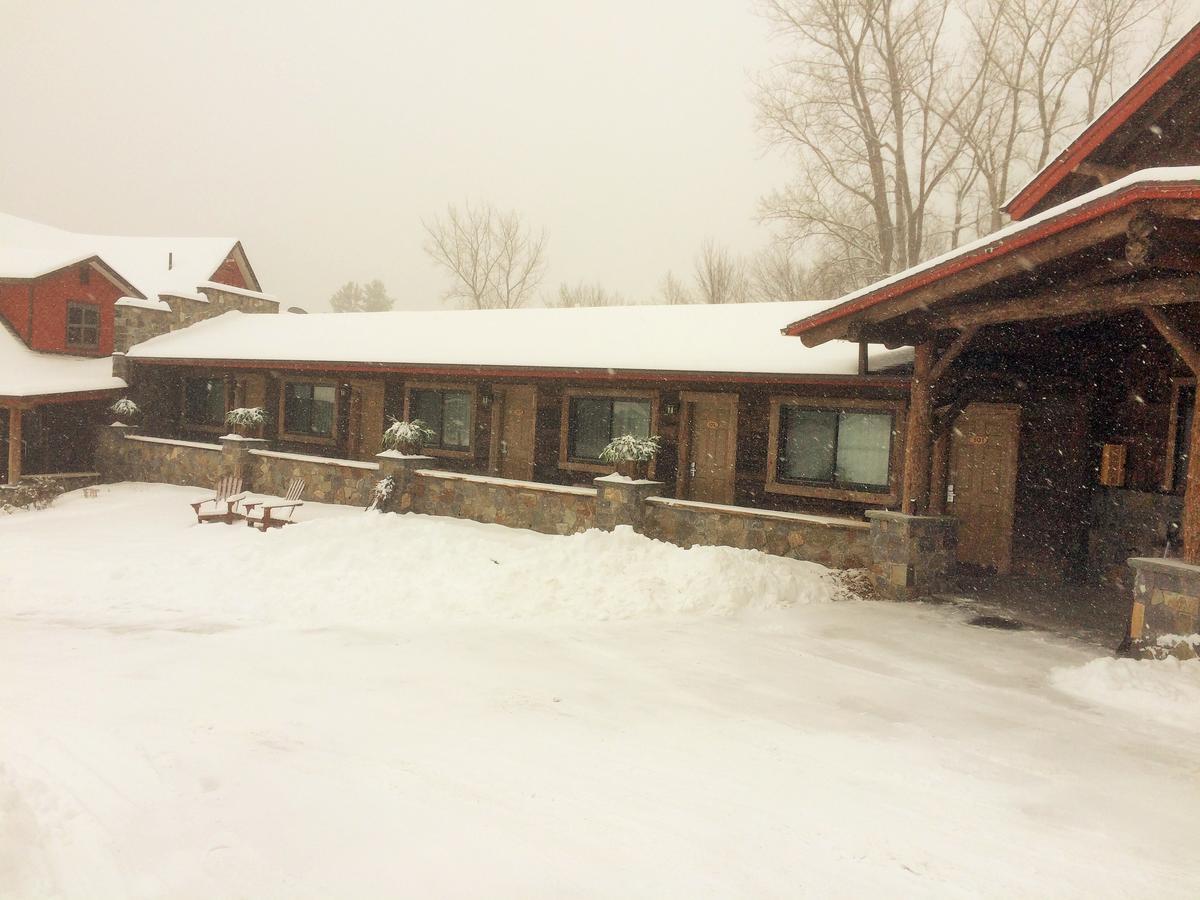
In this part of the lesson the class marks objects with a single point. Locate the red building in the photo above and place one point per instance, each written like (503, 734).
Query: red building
(67, 301)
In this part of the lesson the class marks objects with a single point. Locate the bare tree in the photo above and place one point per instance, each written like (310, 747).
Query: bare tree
(581, 294)
(720, 277)
(908, 139)
(674, 292)
(494, 259)
(775, 275)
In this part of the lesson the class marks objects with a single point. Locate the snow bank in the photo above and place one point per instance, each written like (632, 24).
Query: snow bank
(348, 566)
(1166, 690)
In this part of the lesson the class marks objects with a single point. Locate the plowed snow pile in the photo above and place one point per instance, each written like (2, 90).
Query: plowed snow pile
(1164, 690)
(347, 565)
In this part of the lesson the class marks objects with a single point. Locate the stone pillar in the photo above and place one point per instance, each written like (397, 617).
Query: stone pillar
(620, 501)
(14, 444)
(402, 468)
(236, 458)
(122, 367)
(111, 457)
(911, 556)
(1166, 601)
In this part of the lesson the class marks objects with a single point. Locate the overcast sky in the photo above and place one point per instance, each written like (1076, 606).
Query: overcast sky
(320, 134)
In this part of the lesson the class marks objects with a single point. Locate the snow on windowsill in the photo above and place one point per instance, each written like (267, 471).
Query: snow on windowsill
(171, 442)
(510, 483)
(614, 478)
(325, 460)
(780, 515)
(396, 454)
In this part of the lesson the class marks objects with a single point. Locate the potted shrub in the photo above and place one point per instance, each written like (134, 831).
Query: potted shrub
(246, 421)
(631, 455)
(407, 437)
(125, 411)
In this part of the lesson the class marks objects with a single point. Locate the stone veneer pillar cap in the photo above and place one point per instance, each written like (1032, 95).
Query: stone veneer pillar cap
(1164, 566)
(896, 516)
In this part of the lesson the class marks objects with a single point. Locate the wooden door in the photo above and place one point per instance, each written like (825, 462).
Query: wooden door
(983, 483)
(708, 451)
(365, 436)
(514, 420)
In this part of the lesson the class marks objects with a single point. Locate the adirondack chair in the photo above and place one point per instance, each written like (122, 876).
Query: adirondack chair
(224, 500)
(269, 504)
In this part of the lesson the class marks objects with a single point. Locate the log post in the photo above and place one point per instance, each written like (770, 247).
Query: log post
(14, 444)
(918, 433)
(1188, 352)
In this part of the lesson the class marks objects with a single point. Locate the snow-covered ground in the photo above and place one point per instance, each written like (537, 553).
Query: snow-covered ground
(366, 705)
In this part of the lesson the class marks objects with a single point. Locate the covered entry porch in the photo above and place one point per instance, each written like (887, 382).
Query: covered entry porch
(1053, 399)
(49, 435)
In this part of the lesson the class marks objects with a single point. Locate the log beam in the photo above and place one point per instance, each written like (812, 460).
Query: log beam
(1105, 174)
(1053, 304)
(14, 444)
(951, 353)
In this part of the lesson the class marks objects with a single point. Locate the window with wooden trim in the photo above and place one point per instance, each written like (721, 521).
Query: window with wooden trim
(83, 325)
(1179, 432)
(594, 421)
(833, 449)
(309, 409)
(448, 413)
(204, 402)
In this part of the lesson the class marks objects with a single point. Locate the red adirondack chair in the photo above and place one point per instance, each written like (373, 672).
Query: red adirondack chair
(269, 504)
(224, 500)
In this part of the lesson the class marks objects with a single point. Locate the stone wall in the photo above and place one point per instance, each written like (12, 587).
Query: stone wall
(838, 543)
(345, 481)
(912, 557)
(135, 323)
(122, 456)
(1127, 524)
(548, 508)
(1166, 607)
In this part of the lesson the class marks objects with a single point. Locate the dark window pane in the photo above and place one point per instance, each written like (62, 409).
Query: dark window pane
(1183, 434)
(631, 417)
(83, 325)
(324, 400)
(807, 441)
(427, 406)
(864, 448)
(204, 401)
(456, 420)
(308, 408)
(589, 421)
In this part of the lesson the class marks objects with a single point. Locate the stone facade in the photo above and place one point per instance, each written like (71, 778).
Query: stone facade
(1127, 524)
(348, 482)
(135, 324)
(550, 509)
(911, 556)
(1166, 602)
(123, 455)
(620, 501)
(838, 543)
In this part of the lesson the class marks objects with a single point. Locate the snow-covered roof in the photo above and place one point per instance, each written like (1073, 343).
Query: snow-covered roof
(154, 265)
(27, 373)
(741, 338)
(1000, 241)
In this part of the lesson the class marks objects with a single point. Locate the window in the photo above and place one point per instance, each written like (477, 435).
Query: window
(594, 421)
(309, 410)
(1183, 404)
(83, 325)
(447, 413)
(204, 401)
(848, 449)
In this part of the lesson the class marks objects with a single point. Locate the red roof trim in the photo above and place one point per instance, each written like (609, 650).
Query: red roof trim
(877, 380)
(1184, 51)
(1094, 210)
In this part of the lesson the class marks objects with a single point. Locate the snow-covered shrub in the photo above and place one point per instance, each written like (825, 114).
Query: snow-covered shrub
(125, 410)
(407, 437)
(382, 492)
(628, 448)
(246, 418)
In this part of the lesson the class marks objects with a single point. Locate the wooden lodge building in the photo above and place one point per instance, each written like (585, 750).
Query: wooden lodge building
(747, 416)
